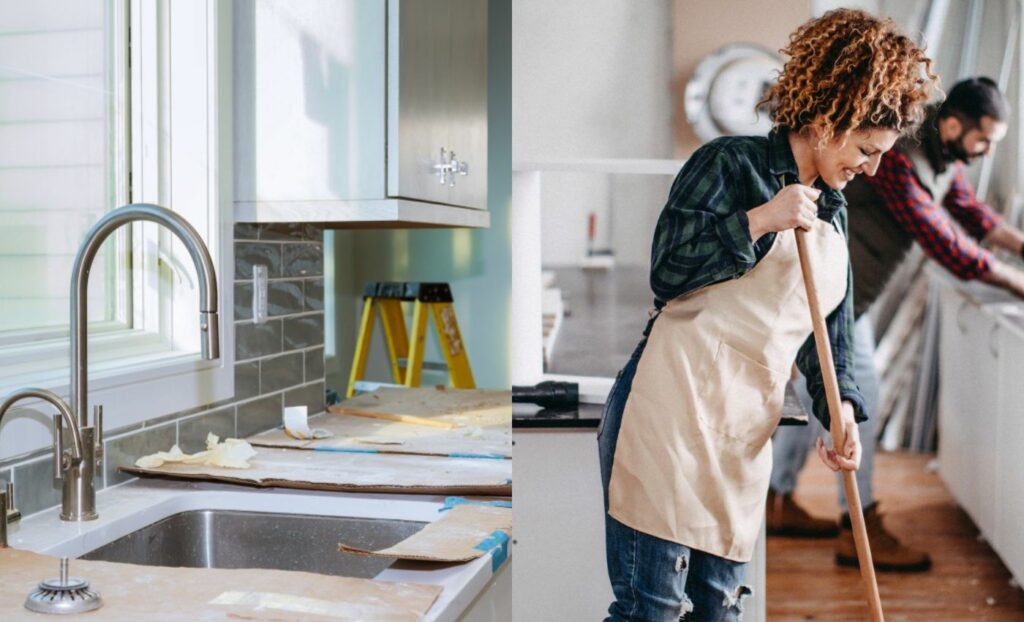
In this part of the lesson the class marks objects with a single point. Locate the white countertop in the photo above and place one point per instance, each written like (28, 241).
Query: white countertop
(135, 504)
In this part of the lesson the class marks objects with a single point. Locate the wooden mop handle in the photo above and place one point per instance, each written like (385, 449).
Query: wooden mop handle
(828, 374)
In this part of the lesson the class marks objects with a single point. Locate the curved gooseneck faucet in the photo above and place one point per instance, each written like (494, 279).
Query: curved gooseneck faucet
(209, 322)
(77, 470)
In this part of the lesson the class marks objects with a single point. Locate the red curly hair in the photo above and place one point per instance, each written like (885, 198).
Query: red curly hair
(849, 70)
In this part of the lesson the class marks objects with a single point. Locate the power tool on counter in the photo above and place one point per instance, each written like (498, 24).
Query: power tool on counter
(549, 394)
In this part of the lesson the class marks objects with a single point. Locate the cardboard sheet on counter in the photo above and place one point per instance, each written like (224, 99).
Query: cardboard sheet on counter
(452, 538)
(462, 407)
(321, 470)
(365, 434)
(132, 593)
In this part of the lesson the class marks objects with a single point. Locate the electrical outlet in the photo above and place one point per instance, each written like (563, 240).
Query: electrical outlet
(259, 294)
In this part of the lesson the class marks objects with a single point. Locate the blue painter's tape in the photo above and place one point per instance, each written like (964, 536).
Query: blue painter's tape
(348, 450)
(459, 454)
(450, 502)
(497, 544)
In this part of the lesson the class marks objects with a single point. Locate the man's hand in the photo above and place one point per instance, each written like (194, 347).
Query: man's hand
(1006, 276)
(849, 458)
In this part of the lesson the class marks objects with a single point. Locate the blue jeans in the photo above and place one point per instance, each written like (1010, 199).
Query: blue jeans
(655, 580)
(791, 444)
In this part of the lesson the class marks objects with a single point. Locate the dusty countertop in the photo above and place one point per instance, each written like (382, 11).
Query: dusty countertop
(128, 507)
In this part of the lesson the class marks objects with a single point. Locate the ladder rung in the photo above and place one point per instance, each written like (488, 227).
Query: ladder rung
(431, 365)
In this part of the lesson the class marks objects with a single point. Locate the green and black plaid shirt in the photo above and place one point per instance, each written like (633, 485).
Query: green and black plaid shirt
(703, 237)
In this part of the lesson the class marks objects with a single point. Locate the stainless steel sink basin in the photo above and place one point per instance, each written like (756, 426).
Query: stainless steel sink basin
(233, 539)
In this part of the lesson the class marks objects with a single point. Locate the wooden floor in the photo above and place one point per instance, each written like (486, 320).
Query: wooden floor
(967, 581)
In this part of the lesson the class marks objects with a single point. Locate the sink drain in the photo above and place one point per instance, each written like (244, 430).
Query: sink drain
(63, 594)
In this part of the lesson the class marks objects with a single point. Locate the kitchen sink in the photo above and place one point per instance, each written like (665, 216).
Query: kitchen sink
(239, 539)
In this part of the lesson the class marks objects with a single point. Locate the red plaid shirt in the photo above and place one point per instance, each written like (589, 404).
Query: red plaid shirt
(920, 216)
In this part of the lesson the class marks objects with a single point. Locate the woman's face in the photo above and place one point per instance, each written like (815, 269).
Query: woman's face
(845, 157)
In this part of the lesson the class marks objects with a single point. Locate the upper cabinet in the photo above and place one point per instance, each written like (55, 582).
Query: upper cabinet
(342, 108)
(437, 146)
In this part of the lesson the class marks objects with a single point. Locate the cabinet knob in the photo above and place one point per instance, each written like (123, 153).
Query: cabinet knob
(449, 167)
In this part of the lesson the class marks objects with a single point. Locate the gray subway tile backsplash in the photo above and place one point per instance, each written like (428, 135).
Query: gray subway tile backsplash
(303, 331)
(314, 364)
(248, 254)
(303, 260)
(35, 488)
(292, 232)
(281, 372)
(314, 294)
(247, 380)
(311, 396)
(125, 450)
(192, 432)
(256, 340)
(247, 231)
(284, 297)
(243, 300)
(259, 415)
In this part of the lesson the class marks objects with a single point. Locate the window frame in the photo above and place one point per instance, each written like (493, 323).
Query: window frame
(182, 75)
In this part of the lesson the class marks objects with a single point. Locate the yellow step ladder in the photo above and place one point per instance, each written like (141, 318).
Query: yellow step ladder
(404, 350)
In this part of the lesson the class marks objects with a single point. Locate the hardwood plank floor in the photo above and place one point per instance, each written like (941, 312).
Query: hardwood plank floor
(967, 581)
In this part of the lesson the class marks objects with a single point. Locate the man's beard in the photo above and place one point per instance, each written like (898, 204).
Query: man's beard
(953, 150)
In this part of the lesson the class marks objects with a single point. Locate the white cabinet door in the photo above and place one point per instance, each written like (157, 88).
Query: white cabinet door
(438, 101)
(968, 410)
(953, 455)
(309, 100)
(1009, 538)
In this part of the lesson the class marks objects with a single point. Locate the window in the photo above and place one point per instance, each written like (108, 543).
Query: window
(91, 93)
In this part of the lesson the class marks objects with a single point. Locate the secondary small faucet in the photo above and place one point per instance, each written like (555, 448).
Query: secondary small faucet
(62, 461)
(78, 469)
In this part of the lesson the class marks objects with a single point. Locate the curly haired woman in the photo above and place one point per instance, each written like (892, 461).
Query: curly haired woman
(685, 437)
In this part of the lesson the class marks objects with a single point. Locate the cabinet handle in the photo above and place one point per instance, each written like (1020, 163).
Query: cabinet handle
(993, 345)
(449, 167)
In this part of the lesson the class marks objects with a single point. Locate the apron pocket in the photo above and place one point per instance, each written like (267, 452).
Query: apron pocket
(741, 398)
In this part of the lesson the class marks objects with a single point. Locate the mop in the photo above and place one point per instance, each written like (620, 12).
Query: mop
(828, 373)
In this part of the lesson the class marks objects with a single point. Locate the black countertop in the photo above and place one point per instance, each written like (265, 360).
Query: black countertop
(528, 416)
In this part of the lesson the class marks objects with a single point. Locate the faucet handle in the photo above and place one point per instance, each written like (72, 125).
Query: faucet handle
(10, 511)
(61, 460)
(97, 422)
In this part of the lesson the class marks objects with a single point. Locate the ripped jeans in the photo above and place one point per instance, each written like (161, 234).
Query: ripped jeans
(655, 580)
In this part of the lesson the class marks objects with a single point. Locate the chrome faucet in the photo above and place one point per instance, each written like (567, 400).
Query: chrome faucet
(77, 470)
(63, 461)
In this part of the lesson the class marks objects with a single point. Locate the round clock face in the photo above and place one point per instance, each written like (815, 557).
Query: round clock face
(721, 97)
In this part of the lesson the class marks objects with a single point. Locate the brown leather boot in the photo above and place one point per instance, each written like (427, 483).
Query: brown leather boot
(786, 518)
(887, 552)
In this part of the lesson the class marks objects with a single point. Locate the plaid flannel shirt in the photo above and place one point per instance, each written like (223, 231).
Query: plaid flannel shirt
(703, 237)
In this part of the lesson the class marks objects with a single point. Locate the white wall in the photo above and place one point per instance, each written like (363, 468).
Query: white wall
(592, 79)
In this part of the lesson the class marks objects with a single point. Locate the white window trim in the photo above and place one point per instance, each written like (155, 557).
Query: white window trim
(186, 47)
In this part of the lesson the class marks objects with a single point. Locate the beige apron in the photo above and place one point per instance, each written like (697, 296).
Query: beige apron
(693, 456)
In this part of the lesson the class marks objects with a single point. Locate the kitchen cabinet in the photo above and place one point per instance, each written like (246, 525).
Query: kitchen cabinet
(980, 424)
(1009, 493)
(969, 406)
(437, 143)
(342, 109)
